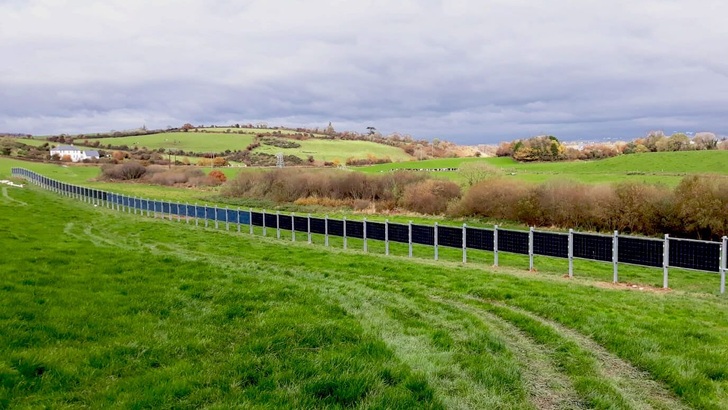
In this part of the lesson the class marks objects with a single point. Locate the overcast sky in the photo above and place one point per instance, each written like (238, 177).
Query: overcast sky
(466, 71)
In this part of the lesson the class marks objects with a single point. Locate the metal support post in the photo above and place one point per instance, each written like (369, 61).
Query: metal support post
(723, 257)
(435, 241)
(465, 243)
(265, 230)
(308, 227)
(386, 236)
(495, 245)
(615, 256)
(665, 261)
(293, 227)
(364, 234)
(344, 223)
(278, 224)
(530, 249)
(409, 236)
(326, 230)
(571, 253)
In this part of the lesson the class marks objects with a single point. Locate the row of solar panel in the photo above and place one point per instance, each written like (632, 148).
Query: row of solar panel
(639, 251)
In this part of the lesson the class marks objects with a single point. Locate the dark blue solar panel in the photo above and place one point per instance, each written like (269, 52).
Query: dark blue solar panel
(513, 241)
(478, 239)
(551, 244)
(375, 230)
(399, 233)
(257, 218)
(450, 237)
(336, 227)
(640, 251)
(354, 229)
(593, 247)
(423, 235)
(695, 255)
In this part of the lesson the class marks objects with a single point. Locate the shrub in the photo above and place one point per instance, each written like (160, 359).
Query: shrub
(430, 196)
(123, 172)
(218, 175)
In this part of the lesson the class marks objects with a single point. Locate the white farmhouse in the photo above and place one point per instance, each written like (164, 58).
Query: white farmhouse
(73, 152)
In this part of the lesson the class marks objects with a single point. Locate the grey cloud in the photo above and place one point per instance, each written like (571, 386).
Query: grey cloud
(469, 71)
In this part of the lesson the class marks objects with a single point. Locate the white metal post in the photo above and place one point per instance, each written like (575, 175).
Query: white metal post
(723, 257)
(216, 218)
(530, 249)
(465, 243)
(326, 230)
(278, 224)
(250, 224)
(665, 260)
(386, 236)
(293, 227)
(238, 219)
(615, 256)
(265, 230)
(434, 232)
(197, 219)
(364, 234)
(410, 238)
(344, 223)
(308, 227)
(571, 253)
(495, 245)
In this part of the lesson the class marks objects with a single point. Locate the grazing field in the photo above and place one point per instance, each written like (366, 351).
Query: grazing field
(137, 312)
(653, 167)
(187, 141)
(330, 150)
(320, 149)
(256, 131)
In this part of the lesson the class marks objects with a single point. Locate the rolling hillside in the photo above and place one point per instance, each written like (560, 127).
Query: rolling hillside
(186, 320)
(320, 149)
(654, 167)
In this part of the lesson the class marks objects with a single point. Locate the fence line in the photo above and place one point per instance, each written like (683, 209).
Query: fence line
(707, 256)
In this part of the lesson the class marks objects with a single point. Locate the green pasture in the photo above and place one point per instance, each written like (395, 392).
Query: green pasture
(187, 141)
(330, 150)
(130, 311)
(254, 131)
(321, 149)
(655, 167)
(32, 142)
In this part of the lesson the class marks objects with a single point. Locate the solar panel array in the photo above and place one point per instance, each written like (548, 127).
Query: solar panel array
(690, 254)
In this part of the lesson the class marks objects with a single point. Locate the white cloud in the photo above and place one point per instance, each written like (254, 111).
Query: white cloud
(471, 71)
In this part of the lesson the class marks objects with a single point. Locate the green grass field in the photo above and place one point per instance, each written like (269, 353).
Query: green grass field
(330, 150)
(655, 167)
(187, 141)
(129, 311)
(321, 149)
(255, 131)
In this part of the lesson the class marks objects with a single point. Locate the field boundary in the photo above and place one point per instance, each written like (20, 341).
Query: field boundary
(707, 256)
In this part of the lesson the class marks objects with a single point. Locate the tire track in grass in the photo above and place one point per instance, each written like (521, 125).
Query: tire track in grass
(414, 332)
(604, 380)
(467, 364)
(11, 199)
(609, 383)
(548, 388)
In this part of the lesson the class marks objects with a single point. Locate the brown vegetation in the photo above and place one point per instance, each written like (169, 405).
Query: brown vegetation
(696, 208)
(336, 187)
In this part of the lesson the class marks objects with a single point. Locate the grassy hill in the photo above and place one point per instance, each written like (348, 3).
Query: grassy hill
(182, 320)
(653, 167)
(321, 149)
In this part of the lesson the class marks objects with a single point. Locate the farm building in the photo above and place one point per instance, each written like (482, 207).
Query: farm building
(73, 152)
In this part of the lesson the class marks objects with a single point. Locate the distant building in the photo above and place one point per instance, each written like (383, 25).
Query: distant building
(73, 152)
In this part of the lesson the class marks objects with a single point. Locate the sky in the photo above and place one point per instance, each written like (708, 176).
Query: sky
(472, 72)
